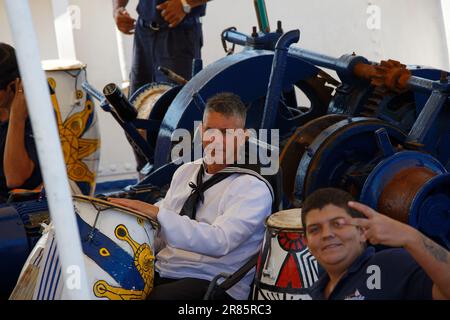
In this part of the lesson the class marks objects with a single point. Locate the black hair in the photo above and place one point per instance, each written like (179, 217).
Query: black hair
(323, 197)
(227, 104)
(9, 69)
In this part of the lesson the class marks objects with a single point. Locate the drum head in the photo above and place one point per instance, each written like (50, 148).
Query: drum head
(286, 220)
(107, 204)
(63, 65)
(146, 97)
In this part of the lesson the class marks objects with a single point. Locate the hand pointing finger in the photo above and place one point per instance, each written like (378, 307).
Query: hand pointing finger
(365, 210)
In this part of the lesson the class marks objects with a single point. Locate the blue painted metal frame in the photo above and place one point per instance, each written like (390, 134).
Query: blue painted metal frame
(257, 41)
(14, 248)
(139, 143)
(245, 74)
(325, 164)
(19, 234)
(389, 167)
(343, 65)
(275, 86)
(432, 126)
(430, 209)
(161, 176)
(110, 186)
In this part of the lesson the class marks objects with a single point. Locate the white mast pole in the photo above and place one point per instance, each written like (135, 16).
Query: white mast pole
(63, 30)
(122, 59)
(49, 149)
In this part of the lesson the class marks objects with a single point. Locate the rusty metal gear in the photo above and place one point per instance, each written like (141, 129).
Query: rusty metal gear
(396, 108)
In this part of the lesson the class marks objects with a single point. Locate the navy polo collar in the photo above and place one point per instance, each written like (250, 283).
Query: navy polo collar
(361, 260)
(318, 289)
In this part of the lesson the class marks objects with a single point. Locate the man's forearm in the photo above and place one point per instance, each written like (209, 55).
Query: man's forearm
(434, 259)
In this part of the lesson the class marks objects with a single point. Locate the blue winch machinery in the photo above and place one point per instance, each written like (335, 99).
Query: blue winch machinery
(21, 226)
(379, 131)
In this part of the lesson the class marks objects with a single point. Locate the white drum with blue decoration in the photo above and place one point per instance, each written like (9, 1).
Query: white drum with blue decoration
(77, 123)
(285, 266)
(118, 246)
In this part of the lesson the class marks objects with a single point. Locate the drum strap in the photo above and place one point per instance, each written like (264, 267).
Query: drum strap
(265, 254)
(239, 274)
(197, 194)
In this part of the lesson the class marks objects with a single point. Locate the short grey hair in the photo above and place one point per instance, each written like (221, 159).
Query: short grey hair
(227, 104)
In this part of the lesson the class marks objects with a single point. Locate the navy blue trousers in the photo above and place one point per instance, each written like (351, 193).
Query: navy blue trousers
(173, 48)
(183, 289)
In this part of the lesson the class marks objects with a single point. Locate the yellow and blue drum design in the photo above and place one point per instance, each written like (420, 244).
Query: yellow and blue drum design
(118, 247)
(77, 123)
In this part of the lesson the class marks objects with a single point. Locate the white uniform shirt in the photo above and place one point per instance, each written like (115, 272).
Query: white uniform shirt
(228, 230)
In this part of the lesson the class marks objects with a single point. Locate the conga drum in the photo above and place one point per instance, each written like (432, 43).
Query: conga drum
(285, 266)
(118, 247)
(77, 123)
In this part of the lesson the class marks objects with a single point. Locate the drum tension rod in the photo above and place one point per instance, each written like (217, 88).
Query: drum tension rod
(265, 270)
(99, 210)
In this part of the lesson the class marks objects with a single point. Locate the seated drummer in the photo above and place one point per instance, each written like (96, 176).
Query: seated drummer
(337, 230)
(228, 227)
(19, 168)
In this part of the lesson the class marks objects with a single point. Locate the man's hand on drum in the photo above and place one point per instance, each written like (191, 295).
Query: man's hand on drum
(381, 229)
(145, 208)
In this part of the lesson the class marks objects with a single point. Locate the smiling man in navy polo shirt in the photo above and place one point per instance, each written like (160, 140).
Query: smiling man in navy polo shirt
(337, 232)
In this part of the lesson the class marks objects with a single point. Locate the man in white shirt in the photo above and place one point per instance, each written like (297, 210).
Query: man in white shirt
(214, 229)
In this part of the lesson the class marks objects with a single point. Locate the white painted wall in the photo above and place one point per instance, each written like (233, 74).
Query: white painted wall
(411, 31)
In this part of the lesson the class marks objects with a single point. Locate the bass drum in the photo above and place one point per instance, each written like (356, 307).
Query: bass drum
(118, 247)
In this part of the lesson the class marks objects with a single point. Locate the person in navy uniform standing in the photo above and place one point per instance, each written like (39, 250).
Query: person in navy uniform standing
(167, 33)
(338, 231)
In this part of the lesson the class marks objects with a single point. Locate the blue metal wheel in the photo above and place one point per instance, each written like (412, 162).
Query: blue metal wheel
(388, 168)
(430, 209)
(343, 155)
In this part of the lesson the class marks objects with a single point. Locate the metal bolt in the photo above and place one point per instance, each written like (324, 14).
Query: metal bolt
(444, 77)
(255, 32)
(279, 27)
